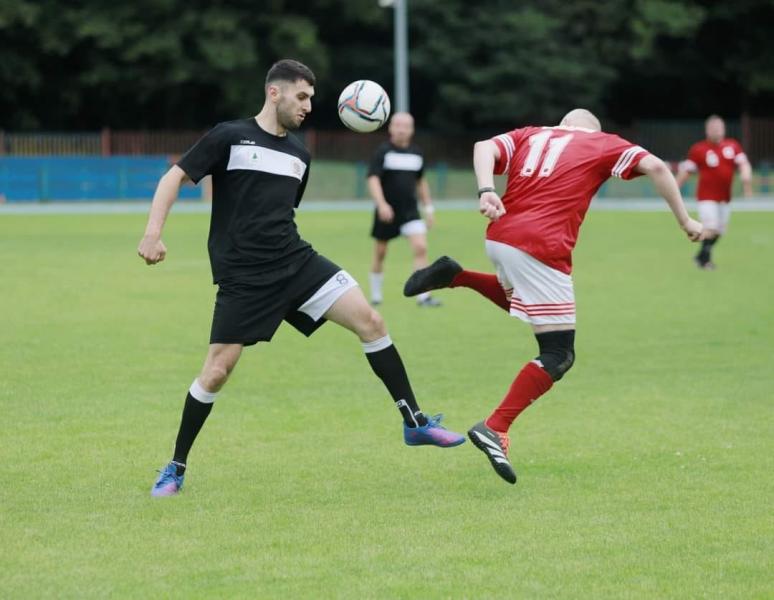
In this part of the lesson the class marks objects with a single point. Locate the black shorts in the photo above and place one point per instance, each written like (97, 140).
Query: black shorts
(247, 312)
(389, 231)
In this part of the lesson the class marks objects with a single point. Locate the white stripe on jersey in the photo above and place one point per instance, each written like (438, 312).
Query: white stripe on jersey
(507, 164)
(508, 141)
(626, 158)
(258, 158)
(621, 160)
(402, 161)
(510, 148)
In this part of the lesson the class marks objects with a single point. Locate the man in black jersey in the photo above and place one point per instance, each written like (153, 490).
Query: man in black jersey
(395, 178)
(265, 272)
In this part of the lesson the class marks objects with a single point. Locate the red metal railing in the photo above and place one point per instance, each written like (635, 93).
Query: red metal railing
(667, 139)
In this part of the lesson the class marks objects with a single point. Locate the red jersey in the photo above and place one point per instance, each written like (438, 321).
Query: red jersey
(553, 172)
(716, 164)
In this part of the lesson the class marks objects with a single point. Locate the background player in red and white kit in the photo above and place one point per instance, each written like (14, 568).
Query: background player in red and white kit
(715, 158)
(553, 172)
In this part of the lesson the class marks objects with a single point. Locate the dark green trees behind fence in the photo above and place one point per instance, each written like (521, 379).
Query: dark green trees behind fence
(490, 63)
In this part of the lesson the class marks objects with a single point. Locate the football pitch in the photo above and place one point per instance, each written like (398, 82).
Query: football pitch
(645, 473)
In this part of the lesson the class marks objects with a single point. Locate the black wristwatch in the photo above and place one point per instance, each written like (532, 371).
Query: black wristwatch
(484, 190)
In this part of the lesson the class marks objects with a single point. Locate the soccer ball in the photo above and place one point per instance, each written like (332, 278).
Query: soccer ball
(364, 106)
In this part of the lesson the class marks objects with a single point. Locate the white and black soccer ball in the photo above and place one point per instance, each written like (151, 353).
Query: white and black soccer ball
(364, 106)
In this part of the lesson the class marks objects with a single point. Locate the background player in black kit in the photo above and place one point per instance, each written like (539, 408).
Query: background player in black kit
(264, 271)
(395, 179)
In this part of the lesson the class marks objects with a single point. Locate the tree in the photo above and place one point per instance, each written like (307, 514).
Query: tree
(500, 63)
(490, 64)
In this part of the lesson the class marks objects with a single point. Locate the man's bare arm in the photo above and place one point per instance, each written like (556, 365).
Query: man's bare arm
(485, 155)
(682, 176)
(667, 187)
(383, 209)
(423, 191)
(151, 248)
(745, 174)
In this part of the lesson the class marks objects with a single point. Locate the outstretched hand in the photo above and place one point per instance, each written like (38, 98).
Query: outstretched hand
(152, 250)
(491, 206)
(694, 230)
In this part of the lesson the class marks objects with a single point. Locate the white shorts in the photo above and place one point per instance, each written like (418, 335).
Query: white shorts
(540, 295)
(414, 227)
(326, 296)
(714, 215)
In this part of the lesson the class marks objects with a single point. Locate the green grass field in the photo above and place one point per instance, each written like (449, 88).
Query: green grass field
(646, 473)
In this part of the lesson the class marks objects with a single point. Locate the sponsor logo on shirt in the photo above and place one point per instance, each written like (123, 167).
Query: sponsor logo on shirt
(712, 159)
(251, 142)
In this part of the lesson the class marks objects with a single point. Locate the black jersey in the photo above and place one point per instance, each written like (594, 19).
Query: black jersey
(258, 180)
(399, 170)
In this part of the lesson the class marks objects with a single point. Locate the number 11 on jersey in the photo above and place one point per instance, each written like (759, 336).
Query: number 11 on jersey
(537, 146)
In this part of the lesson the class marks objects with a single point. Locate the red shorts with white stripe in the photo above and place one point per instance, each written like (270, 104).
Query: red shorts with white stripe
(540, 295)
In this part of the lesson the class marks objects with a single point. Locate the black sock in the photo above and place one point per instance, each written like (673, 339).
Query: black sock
(388, 366)
(705, 254)
(195, 413)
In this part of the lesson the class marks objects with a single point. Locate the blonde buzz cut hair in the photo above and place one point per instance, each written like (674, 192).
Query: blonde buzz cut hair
(580, 117)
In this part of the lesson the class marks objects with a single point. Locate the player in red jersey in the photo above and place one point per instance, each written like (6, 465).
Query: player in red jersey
(553, 172)
(715, 158)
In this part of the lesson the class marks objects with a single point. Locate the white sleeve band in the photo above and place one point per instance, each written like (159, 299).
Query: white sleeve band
(428, 208)
(197, 391)
(688, 166)
(625, 160)
(510, 148)
(740, 158)
(377, 345)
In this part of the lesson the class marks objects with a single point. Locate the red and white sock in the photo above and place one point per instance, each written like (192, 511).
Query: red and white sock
(531, 383)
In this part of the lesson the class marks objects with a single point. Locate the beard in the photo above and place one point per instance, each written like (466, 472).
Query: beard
(287, 117)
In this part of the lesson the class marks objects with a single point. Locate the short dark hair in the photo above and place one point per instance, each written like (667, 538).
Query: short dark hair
(290, 70)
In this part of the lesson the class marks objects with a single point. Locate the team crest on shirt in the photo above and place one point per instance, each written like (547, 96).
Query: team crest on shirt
(728, 152)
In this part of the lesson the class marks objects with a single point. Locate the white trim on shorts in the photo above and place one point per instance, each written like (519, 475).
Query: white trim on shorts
(414, 227)
(714, 215)
(326, 296)
(541, 295)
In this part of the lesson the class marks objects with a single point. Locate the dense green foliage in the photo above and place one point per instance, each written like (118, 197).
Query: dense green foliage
(178, 64)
